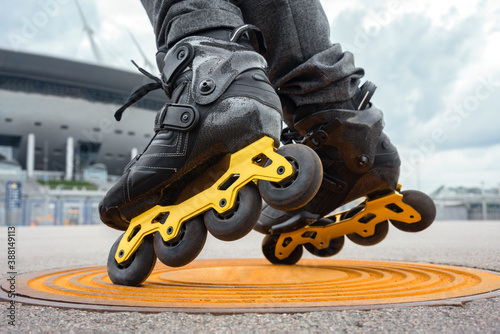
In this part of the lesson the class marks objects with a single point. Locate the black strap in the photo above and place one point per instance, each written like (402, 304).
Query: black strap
(366, 92)
(290, 136)
(179, 117)
(319, 137)
(177, 59)
(300, 220)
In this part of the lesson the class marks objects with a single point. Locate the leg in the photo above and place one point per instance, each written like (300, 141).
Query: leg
(304, 65)
(173, 20)
(318, 87)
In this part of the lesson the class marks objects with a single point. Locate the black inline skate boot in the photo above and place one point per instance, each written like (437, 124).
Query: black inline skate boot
(220, 101)
(358, 158)
(211, 161)
(359, 161)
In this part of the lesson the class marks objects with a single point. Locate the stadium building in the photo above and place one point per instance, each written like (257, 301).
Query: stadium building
(55, 99)
(461, 203)
(56, 123)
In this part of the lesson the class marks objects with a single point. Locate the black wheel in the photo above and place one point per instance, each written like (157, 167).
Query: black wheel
(269, 249)
(300, 188)
(136, 269)
(241, 219)
(424, 205)
(381, 230)
(185, 247)
(333, 248)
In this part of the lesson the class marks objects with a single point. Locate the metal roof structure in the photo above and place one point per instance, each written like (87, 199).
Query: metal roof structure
(56, 98)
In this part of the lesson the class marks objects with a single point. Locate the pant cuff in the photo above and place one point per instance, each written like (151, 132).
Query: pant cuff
(204, 19)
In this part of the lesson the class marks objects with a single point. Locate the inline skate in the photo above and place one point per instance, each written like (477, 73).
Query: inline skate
(213, 157)
(358, 161)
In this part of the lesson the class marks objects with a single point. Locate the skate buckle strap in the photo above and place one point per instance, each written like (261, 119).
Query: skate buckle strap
(333, 184)
(257, 161)
(176, 61)
(366, 92)
(218, 65)
(317, 138)
(290, 136)
(179, 117)
(242, 30)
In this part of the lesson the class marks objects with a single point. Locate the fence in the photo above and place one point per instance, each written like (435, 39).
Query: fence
(53, 211)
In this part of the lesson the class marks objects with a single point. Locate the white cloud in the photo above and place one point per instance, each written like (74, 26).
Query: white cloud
(470, 167)
(436, 65)
(119, 23)
(55, 28)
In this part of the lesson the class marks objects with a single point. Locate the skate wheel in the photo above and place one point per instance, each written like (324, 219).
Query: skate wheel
(421, 203)
(299, 189)
(240, 220)
(269, 250)
(333, 248)
(135, 270)
(185, 247)
(381, 230)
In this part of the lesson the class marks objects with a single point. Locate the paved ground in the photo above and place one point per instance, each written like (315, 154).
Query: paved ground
(469, 244)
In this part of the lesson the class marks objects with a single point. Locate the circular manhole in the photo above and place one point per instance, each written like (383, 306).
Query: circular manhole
(250, 285)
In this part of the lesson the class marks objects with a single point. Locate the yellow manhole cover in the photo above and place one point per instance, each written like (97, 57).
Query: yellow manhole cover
(250, 285)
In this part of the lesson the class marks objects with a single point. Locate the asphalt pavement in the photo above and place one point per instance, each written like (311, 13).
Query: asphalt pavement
(473, 244)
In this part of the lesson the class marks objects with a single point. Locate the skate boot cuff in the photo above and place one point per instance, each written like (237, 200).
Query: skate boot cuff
(359, 101)
(219, 42)
(332, 128)
(241, 35)
(215, 64)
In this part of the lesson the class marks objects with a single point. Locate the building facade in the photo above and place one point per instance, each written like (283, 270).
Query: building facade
(56, 123)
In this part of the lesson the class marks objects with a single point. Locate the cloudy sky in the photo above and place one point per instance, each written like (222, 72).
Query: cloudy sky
(436, 65)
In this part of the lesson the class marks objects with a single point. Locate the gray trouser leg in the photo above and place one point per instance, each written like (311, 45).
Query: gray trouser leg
(173, 20)
(304, 65)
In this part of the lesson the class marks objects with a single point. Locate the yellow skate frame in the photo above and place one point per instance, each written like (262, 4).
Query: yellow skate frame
(247, 165)
(320, 236)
